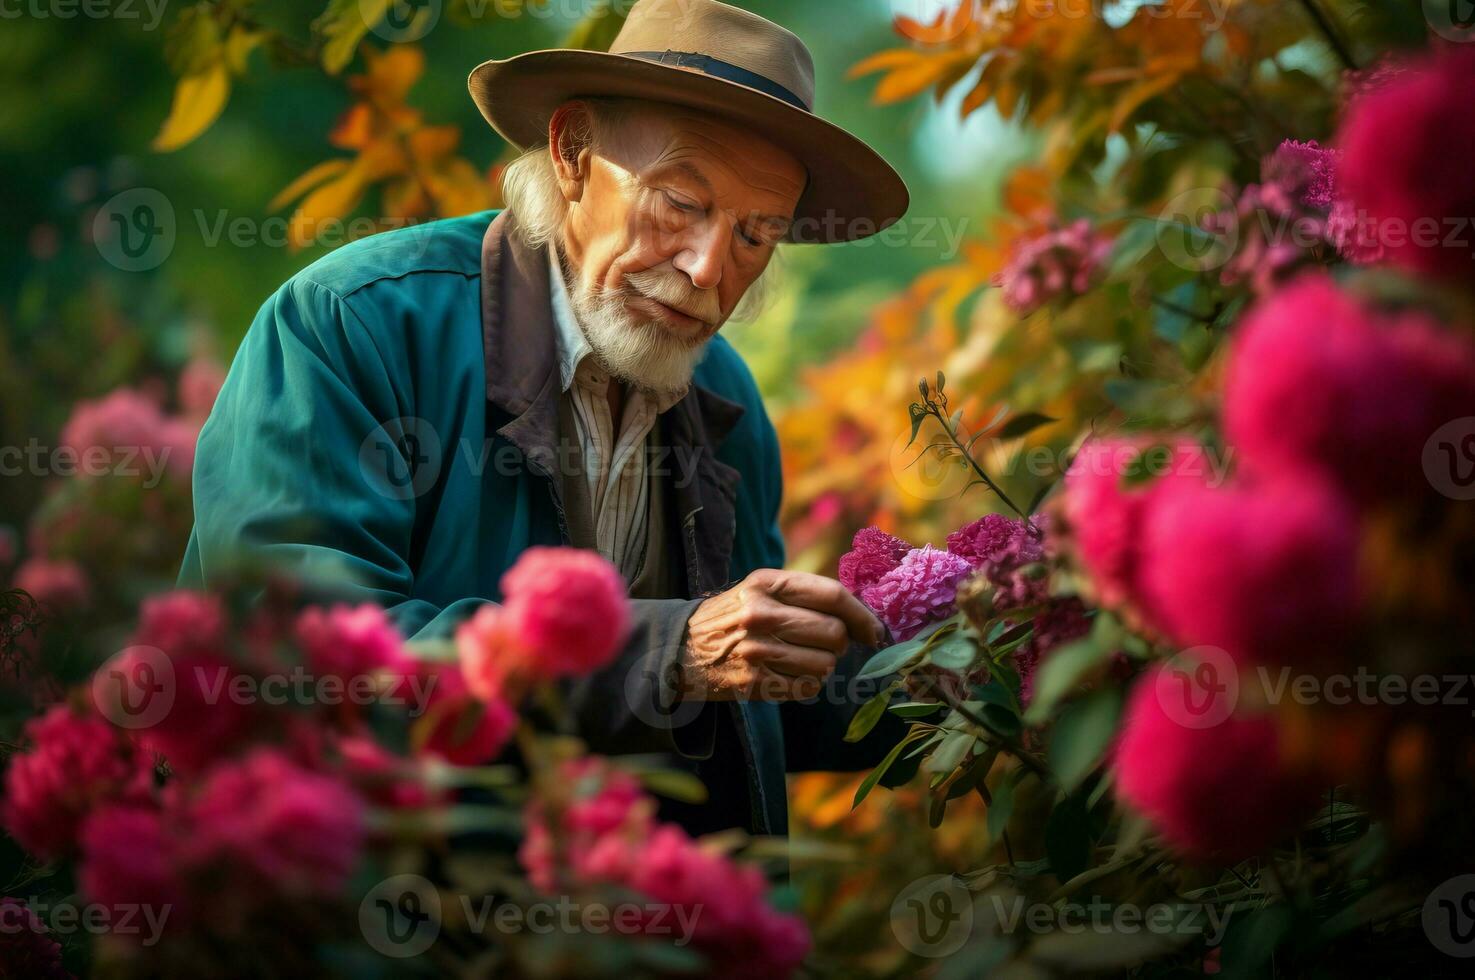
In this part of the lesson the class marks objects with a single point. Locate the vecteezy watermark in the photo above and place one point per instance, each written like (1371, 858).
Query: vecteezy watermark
(137, 230)
(138, 686)
(1449, 459)
(1010, 915)
(1453, 20)
(933, 916)
(923, 472)
(1448, 917)
(143, 923)
(405, 457)
(35, 459)
(1198, 687)
(1184, 229)
(150, 12)
(402, 916)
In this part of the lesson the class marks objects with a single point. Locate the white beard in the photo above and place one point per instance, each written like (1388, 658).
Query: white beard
(637, 350)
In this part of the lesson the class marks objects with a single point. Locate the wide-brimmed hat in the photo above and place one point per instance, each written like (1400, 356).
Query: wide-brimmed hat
(726, 62)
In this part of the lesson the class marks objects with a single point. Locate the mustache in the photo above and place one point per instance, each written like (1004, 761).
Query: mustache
(674, 290)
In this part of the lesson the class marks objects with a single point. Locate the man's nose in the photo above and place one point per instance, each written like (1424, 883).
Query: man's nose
(703, 252)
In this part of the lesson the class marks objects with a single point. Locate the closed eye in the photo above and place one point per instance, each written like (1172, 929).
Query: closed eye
(679, 204)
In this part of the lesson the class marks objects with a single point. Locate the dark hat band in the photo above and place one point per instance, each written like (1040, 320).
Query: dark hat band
(718, 68)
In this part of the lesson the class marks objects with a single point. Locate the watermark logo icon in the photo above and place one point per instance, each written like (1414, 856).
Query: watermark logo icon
(1449, 917)
(400, 21)
(401, 916)
(135, 688)
(933, 916)
(1449, 459)
(401, 458)
(1453, 20)
(135, 230)
(1198, 230)
(1198, 687)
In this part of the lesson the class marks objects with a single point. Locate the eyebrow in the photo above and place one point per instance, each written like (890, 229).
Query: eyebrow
(695, 173)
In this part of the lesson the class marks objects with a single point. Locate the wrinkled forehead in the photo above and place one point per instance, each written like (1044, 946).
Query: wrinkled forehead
(728, 159)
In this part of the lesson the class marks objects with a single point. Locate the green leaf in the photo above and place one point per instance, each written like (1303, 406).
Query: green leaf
(1002, 719)
(597, 31)
(865, 719)
(916, 709)
(951, 752)
(869, 783)
(956, 652)
(919, 415)
(1060, 672)
(1082, 733)
(1001, 809)
(675, 785)
(891, 659)
(1022, 425)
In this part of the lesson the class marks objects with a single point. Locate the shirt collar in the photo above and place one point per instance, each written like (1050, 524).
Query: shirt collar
(576, 360)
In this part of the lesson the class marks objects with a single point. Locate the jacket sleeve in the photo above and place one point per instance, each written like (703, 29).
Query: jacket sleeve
(814, 730)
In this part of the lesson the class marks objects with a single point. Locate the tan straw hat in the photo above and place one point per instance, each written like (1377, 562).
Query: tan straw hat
(721, 60)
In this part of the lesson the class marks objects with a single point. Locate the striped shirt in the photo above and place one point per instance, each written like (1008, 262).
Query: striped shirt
(615, 461)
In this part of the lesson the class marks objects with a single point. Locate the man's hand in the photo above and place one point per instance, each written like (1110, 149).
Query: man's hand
(774, 636)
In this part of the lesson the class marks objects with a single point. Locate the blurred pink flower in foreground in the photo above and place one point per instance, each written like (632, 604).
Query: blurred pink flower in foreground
(1317, 383)
(1217, 793)
(59, 584)
(1407, 144)
(609, 835)
(72, 764)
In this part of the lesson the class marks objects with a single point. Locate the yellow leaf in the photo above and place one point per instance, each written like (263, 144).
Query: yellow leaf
(343, 25)
(198, 101)
(893, 58)
(239, 45)
(323, 208)
(904, 83)
(315, 175)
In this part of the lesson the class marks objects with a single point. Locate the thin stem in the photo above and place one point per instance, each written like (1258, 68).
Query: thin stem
(1324, 25)
(1030, 761)
(974, 463)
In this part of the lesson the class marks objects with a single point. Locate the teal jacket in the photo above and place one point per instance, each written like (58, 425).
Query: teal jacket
(391, 416)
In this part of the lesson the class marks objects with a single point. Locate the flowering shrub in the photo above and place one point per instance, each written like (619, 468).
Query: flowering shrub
(244, 769)
(1260, 498)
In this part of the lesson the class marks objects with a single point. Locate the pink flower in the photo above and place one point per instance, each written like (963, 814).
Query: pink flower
(492, 661)
(1406, 148)
(298, 830)
(1105, 509)
(123, 419)
(1304, 173)
(130, 859)
(608, 836)
(58, 584)
(181, 622)
(203, 721)
(872, 554)
(1267, 572)
(920, 590)
(73, 765)
(1061, 263)
(460, 728)
(350, 641)
(380, 775)
(568, 608)
(1318, 383)
(1216, 793)
(25, 949)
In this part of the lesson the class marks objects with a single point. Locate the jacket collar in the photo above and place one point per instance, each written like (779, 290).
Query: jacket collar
(523, 382)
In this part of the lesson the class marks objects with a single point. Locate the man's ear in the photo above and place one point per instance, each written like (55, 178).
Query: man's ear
(569, 138)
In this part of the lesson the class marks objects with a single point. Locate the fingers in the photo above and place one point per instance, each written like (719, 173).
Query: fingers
(825, 595)
(807, 628)
(794, 660)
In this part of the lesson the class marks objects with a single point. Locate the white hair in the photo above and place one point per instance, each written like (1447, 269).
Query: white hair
(530, 191)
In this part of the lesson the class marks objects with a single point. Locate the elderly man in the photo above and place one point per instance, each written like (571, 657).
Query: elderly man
(418, 408)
